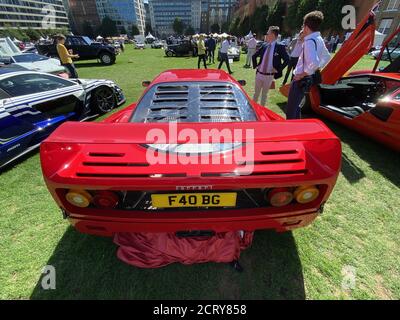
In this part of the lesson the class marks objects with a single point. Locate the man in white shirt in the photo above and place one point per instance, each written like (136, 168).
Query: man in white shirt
(224, 54)
(251, 50)
(313, 57)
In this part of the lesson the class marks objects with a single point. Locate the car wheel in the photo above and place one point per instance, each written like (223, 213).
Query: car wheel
(169, 54)
(106, 58)
(103, 100)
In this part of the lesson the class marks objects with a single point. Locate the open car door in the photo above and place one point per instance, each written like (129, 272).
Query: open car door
(390, 47)
(352, 50)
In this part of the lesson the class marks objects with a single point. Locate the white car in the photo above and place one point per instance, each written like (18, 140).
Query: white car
(140, 45)
(10, 54)
(34, 62)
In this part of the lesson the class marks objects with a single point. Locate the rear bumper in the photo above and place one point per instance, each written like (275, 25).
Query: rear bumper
(252, 220)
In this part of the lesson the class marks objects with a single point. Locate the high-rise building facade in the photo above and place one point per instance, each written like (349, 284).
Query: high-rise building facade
(125, 13)
(388, 17)
(164, 12)
(216, 12)
(82, 12)
(35, 14)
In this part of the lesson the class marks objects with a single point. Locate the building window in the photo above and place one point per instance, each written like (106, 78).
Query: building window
(393, 5)
(385, 26)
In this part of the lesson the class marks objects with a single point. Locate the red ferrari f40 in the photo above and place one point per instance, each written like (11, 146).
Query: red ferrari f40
(195, 153)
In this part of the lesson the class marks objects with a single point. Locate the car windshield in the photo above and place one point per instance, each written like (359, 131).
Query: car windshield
(87, 40)
(194, 102)
(29, 57)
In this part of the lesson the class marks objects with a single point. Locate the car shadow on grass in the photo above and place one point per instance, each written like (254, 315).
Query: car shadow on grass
(87, 268)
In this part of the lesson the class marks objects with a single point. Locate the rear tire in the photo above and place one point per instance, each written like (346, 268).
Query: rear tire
(103, 100)
(106, 58)
(169, 54)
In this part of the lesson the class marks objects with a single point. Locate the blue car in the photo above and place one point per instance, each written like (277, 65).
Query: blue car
(33, 104)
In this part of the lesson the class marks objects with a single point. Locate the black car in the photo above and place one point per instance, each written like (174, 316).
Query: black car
(84, 47)
(183, 47)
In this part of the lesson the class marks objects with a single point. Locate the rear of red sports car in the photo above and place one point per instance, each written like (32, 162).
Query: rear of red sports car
(195, 154)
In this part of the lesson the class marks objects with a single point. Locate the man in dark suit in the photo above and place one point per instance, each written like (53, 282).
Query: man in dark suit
(269, 60)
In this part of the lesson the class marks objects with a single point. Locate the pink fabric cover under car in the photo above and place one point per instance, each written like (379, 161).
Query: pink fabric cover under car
(155, 250)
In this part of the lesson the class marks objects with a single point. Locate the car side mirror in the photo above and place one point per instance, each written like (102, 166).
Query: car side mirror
(242, 82)
(145, 83)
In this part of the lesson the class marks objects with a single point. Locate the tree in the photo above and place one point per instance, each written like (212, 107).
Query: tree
(33, 34)
(234, 26)
(215, 28)
(87, 29)
(276, 15)
(331, 10)
(293, 19)
(258, 22)
(225, 27)
(306, 6)
(244, 26)
(178, 25)
(108, 28)
(135, 30)
(149, 29)
(122, 30)
(189, 31)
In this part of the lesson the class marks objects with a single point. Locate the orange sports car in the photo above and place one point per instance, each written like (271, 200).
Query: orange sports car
(365, 101)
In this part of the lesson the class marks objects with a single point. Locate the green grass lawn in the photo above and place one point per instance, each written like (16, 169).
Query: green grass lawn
(360, 228)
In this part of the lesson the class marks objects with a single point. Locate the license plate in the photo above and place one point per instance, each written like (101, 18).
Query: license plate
(191, 200)
(230, 61)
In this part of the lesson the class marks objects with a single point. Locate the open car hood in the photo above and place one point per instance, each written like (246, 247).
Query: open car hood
(352, 50)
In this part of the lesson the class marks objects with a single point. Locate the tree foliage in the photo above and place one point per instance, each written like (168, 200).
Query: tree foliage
(135, 30)
(108, 28)
(189, 31)
(149, 29)
(215, 28)
(277, 14)
(87, 29)
(178, 26)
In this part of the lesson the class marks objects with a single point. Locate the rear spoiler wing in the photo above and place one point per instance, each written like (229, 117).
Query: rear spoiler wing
(122, 133)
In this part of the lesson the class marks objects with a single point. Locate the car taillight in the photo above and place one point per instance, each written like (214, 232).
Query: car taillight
(79, 198)
(306, 194)
(279, 197)
(105, 200)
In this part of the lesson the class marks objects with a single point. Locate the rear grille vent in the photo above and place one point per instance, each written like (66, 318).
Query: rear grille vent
(194, 102)
(272, 173)
(128, 175)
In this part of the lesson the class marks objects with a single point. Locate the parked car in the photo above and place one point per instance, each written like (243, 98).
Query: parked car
(107, 178)
(35, 62)
(33, 104)
(233, 53)
(84, 47)
(183, 47)
(139, 45)
(10, 54)
(366, 101)
(157, 45)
